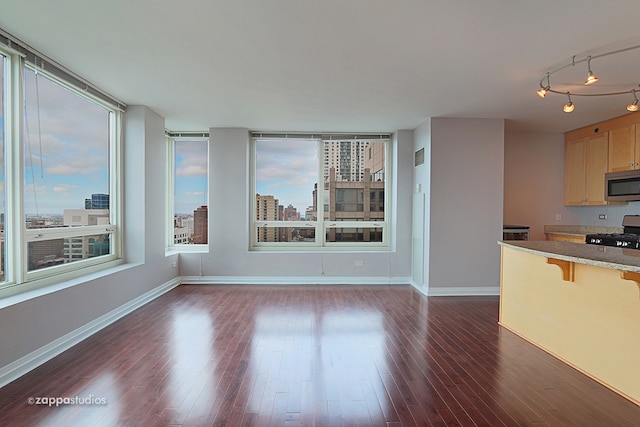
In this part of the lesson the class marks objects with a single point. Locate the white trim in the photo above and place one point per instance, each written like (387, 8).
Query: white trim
(294, 280)
(16, 369)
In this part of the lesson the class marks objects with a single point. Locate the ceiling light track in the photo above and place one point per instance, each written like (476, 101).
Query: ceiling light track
(591, 79)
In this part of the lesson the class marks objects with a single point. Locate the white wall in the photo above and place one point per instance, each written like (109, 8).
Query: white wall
(230, 260)
(534, 182)
(29, 325)
(465, 204)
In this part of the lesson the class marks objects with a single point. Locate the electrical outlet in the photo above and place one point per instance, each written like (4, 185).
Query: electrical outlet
(558, 217)
(359, 263)
(174, 264)
(602, 216)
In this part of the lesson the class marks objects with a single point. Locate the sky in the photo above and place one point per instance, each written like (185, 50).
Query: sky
(190, 181)
(288, 170)
(66, 149)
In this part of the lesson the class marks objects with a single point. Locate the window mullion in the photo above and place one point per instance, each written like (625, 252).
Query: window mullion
(320, 231)
(15, 245)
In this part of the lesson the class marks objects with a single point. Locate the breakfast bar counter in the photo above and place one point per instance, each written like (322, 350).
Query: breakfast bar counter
(579, 302)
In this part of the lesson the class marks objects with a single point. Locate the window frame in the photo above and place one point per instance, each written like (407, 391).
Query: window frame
(320, 225)
(18, 277)
(171, 139)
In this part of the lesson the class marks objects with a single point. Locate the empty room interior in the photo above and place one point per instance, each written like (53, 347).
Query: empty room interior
(319, 213)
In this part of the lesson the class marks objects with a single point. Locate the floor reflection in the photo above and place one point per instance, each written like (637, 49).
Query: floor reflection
(193, 365)
(318, 363)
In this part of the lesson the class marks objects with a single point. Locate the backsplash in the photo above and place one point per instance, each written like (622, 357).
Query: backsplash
(589, 214)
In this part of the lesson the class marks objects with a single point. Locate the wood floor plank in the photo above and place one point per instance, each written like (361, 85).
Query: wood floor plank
(239, 355)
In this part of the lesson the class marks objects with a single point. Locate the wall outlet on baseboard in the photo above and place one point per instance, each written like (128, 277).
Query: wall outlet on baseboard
(602, 216)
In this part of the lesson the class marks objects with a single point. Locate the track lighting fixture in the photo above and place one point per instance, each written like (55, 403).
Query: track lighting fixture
(634, 105)
(568, 107)
(574, 88)
(591, 78)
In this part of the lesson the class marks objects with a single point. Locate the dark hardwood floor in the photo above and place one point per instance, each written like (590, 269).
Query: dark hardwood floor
(205, 355)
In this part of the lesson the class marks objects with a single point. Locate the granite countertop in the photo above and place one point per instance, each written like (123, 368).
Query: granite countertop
(601, 256)
(581, 230)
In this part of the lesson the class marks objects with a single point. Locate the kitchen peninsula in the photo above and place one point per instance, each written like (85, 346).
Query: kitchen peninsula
(580, 303)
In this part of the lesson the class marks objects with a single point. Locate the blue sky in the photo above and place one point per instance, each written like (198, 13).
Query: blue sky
(190, 185)
(288, 170)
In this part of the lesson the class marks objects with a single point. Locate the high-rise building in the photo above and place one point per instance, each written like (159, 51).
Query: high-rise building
(97, 201)
(355, 201)
(267, 209)
(201, 225)
(82, 247)
(346, 157)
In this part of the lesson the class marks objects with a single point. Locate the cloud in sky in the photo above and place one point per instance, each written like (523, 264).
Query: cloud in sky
(191, 175)
(287, 170)
(66, 147)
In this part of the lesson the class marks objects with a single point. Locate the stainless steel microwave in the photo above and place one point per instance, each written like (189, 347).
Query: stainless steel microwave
(622, 186)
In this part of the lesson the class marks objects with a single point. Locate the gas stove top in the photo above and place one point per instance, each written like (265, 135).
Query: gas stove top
(623, 240)
(630, 238)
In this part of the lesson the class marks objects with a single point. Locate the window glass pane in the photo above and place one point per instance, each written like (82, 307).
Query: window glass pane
(66, 148)
(286, 234)
(354, 180)
(348, 234)
(2, 169)
(48, 253)
(191, 207)
(286, 180)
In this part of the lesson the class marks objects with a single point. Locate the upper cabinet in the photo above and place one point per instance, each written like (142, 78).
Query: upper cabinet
(624, 148)
(590, 152)
(585, 163)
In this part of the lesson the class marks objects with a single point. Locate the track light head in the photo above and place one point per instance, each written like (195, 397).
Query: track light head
(568, 107)
(634, 105)
(542, 91)
(591, 78)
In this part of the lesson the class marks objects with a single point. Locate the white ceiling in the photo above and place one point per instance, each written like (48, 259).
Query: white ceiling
(335, 65)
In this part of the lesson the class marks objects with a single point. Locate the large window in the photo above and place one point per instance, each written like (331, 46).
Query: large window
(59, 182)
(313, 191)
(188, 174)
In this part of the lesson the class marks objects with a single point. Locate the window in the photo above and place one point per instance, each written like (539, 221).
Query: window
(188, 227)
(59, 182)
(67, 180)
(346, 210)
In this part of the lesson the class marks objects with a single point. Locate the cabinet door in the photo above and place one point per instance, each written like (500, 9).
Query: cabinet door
(574, 172)
(596, 166)
(622, 149)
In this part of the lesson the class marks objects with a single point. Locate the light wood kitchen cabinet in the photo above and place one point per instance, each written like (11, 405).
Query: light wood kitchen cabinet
(585, 163)
(574, 238)
(624, 148)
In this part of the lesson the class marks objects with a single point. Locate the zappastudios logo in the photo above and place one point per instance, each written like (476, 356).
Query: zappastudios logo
(58, 401)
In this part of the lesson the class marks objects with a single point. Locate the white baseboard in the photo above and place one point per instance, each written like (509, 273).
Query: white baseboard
(297, 280)
(458, 291)
(36, 358)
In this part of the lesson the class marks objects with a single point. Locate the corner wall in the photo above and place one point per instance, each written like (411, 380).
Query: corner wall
(34, 324)
(463, 186)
